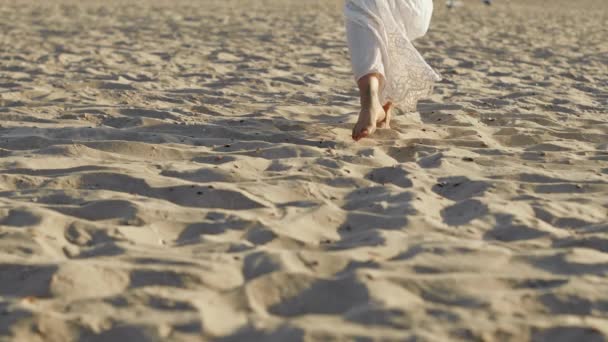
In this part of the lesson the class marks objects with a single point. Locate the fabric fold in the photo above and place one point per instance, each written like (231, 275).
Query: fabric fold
(380, 35)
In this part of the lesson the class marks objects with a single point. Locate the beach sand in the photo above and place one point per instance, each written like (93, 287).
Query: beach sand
(183, 171)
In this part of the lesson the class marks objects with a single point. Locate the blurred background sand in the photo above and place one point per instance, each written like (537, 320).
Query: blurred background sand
(183, 170)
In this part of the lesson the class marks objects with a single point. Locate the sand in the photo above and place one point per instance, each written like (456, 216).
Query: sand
(183, 171)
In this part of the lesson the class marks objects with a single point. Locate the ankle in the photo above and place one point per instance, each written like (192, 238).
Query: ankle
(369, 91)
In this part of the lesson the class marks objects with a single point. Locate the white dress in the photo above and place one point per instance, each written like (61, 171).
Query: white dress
(379, 35)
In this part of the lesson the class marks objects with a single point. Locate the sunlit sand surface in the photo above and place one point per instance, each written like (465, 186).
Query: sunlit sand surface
(184, 171)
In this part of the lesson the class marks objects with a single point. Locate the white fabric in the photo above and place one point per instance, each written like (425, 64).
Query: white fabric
(379, 34)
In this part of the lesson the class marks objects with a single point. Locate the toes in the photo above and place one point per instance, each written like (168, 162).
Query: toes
(363, 134)
(355, 132)
(360, 134)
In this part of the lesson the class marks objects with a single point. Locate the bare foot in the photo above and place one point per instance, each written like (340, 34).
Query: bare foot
(372, 113)
(388, 110)
(367, 122)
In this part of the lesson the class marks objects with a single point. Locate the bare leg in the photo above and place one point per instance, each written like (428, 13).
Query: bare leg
(372, 112)
(388, 110)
